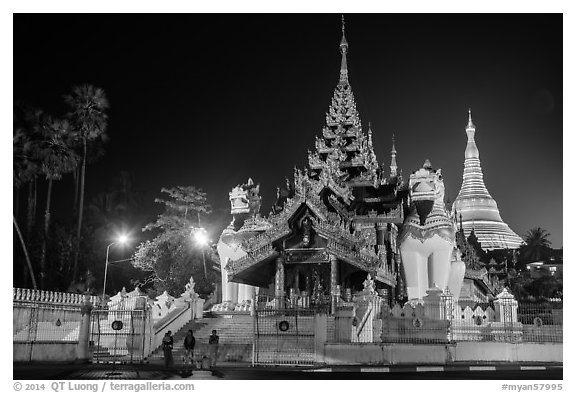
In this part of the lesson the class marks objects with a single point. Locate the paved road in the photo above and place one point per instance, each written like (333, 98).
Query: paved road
(243, 371)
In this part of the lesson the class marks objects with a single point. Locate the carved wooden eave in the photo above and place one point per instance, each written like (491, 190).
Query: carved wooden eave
(260, 248)
(359, 260)
(337, 233)
(255, 224)
(340, 208)
(250, 260)
(386, 277)
(395, 216)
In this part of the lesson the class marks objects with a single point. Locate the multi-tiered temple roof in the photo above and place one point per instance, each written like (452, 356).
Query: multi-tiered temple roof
(342, 207)
(478, 210)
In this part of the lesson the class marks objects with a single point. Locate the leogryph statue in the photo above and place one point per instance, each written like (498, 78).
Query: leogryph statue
(427, 238)
(246, 222)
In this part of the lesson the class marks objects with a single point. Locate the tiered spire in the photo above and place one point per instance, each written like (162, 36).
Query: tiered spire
(343, 50)
(393, 165)
(479, 211)
(343, 147)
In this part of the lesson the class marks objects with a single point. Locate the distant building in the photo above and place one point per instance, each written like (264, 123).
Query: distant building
(553, 266)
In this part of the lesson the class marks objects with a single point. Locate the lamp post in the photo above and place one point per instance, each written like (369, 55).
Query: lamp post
(121, 240)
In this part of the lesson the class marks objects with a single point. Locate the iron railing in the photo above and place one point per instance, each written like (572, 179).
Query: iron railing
(284, 336)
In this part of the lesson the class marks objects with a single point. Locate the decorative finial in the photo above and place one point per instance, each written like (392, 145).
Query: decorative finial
(427, 164)
(343, 50)
(470, 124)
(393, 165)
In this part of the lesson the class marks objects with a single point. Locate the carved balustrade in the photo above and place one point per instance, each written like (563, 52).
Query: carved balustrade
(40, 296)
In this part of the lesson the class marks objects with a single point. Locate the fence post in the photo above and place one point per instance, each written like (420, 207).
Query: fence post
(506, 307)
(82, 350)
(320, 327)
(447, 310)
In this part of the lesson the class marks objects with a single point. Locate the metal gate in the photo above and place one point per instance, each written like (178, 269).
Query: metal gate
(118, 336)
(284, 337)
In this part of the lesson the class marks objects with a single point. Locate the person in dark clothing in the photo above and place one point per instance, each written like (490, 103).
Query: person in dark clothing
(213, 347)
(167, 345)
(189, 343)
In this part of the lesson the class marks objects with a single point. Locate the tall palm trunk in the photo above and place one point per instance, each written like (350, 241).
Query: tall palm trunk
(45, 237)
(80, 211)
(16, 206)
(76, 177)
(31, 270)
(30, 219)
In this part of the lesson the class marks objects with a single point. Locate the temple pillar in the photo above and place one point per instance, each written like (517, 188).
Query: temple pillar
(381, 232)
(334, 288)
(245, 292)
(297, 279)
(279, 283)
(309, 281)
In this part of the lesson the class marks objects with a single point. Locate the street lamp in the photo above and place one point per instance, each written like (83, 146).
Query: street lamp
(201, 238)
(121, 240)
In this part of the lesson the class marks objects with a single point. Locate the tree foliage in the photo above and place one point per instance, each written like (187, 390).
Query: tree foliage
(88, 118)
(537, 247)
(172, 256)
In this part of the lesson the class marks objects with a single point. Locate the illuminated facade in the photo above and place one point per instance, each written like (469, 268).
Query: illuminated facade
(475, 207)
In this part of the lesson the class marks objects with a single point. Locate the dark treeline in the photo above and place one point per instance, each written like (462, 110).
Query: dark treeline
(64, 251)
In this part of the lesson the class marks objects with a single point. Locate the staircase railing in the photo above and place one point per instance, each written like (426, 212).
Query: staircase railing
(173, 321)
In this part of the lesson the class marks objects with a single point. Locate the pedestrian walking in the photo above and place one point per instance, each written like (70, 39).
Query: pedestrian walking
(213, 348)
(167, 345)
(189, 343)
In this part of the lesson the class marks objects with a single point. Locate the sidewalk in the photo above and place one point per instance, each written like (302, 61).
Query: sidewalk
(230, 370)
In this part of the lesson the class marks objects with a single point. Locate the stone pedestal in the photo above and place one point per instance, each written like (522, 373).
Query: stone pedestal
(432, 305)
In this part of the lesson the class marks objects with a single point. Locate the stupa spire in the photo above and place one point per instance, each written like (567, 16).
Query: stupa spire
(479, 214)
(393, 165)
(470, 124)
(344, 51)
(471, 149)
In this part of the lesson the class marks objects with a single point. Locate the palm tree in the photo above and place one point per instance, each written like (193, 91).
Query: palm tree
(24, 169)
(88, 118)
(57, 158)
(537, 245)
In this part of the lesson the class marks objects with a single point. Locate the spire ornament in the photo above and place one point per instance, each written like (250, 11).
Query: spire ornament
(470, 125)
(393, 165)
(344, 51)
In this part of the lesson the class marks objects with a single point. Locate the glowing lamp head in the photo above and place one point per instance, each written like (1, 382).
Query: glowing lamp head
(123, 239)
(201, 237)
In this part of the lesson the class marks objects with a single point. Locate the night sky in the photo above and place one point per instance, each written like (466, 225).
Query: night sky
(210, 100)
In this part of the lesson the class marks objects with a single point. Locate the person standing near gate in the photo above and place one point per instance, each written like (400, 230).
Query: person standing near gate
(189, 343)
(167, 344)
(213, 347)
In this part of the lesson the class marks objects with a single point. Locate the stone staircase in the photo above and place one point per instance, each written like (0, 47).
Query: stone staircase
(236, 334)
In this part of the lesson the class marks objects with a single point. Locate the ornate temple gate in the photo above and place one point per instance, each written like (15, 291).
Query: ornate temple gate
(284, 336)
(118, 336)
